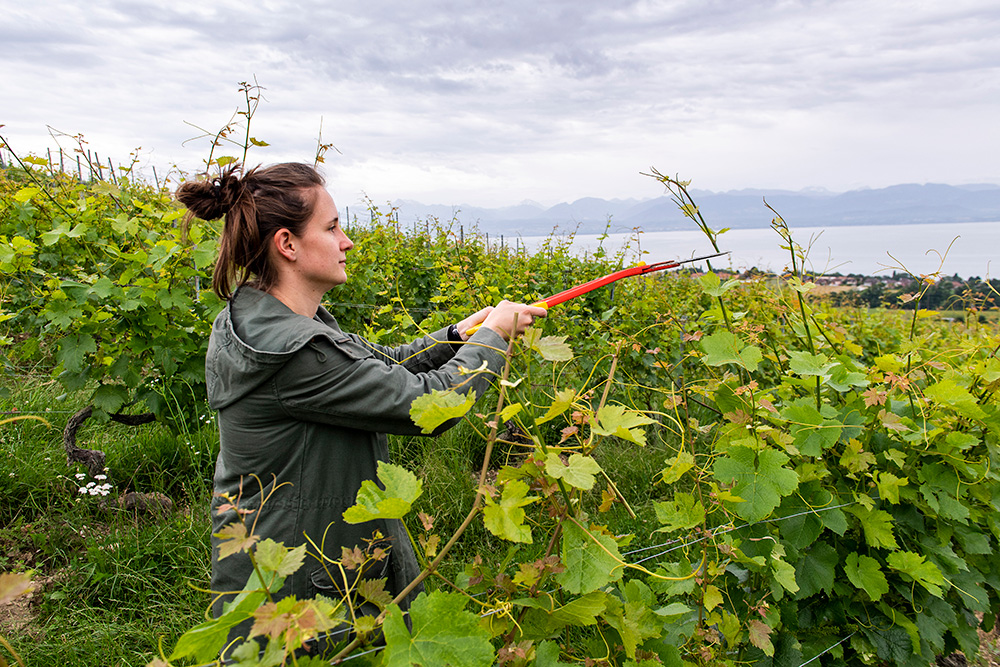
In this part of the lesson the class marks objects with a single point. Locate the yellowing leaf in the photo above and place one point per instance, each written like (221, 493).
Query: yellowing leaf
(683, 462)
(553, 348)
(877, 526)
(506, 518)
(760, 635)
(276, 557)
(713, 597)
(13, 585)
(621, 422)
(563, 400)
(234, 539)
(578, 474)
(888, 486)
(431, 410)
(510, 411)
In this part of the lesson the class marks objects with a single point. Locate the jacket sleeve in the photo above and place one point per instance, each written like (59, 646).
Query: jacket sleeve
(344, 383)
(423, 354)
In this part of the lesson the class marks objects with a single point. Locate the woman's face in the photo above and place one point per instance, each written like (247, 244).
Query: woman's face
(321, 257)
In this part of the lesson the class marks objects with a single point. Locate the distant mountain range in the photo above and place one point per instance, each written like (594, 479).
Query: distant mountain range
(895, 205)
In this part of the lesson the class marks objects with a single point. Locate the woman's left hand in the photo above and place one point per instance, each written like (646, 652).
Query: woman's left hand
(471, 321)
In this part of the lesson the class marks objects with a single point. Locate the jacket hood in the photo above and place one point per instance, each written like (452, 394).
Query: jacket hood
(252, 338)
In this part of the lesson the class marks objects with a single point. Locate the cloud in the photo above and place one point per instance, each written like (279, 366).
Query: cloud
(526, 99)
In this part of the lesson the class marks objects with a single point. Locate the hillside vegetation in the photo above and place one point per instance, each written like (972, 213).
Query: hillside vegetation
(670, 471)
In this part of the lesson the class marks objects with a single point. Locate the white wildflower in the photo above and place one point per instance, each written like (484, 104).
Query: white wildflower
(81, 476)
(100, 478)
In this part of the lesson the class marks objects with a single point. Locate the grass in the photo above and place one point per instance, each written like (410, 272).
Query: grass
(110, 585)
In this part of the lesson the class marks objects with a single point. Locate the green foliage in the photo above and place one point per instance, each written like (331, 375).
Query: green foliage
(400, 488)
(698, 471)
(112, 278)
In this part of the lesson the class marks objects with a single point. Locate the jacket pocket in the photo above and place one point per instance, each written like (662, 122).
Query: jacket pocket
(353, 350)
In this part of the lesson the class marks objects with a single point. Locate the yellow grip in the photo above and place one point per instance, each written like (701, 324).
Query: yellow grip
(475, 327)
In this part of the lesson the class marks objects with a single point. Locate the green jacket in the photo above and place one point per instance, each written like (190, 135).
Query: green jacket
(304, 406)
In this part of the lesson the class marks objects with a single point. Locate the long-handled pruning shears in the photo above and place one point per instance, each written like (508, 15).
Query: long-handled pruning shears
(589, 286)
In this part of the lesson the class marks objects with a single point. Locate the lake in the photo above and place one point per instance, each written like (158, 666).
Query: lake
(864, 250)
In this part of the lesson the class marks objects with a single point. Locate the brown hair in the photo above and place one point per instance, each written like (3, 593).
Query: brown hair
(256, 204)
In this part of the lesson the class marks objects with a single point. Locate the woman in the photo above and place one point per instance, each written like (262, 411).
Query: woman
(302, 406)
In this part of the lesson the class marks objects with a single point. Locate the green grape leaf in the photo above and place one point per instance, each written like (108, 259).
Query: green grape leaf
(204, 641)
(579, 473)
(591, 558)
(437, 407)
(73, 351)
(205, 253)
(761, 480)
(110, 397)
(815, 570)
(712, 285)
(784, 574)
(547, 655)
(546, 617)
(444, 633)
(402, 488)
(952, 394)
(634, 622)
(506, 519)
(805, 364)
(877, 526)
(811, 429)
(723, 348)
(843, 379)
(916, 567)
(865, 573)
(683, 512)
(619, 421)
(892, 643)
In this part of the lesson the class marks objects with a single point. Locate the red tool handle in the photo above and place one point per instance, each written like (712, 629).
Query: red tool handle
(591, 285)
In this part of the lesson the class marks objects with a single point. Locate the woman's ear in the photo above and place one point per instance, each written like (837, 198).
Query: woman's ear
(284, 244)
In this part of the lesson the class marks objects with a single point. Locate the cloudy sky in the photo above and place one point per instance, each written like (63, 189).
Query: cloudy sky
(492, 103)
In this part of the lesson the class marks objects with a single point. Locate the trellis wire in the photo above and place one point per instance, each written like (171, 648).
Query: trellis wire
(729, 529)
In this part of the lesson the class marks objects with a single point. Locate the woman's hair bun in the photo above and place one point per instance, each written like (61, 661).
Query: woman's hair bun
(212, 198)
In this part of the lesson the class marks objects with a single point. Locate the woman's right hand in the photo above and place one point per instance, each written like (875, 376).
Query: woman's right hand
(511, 319)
